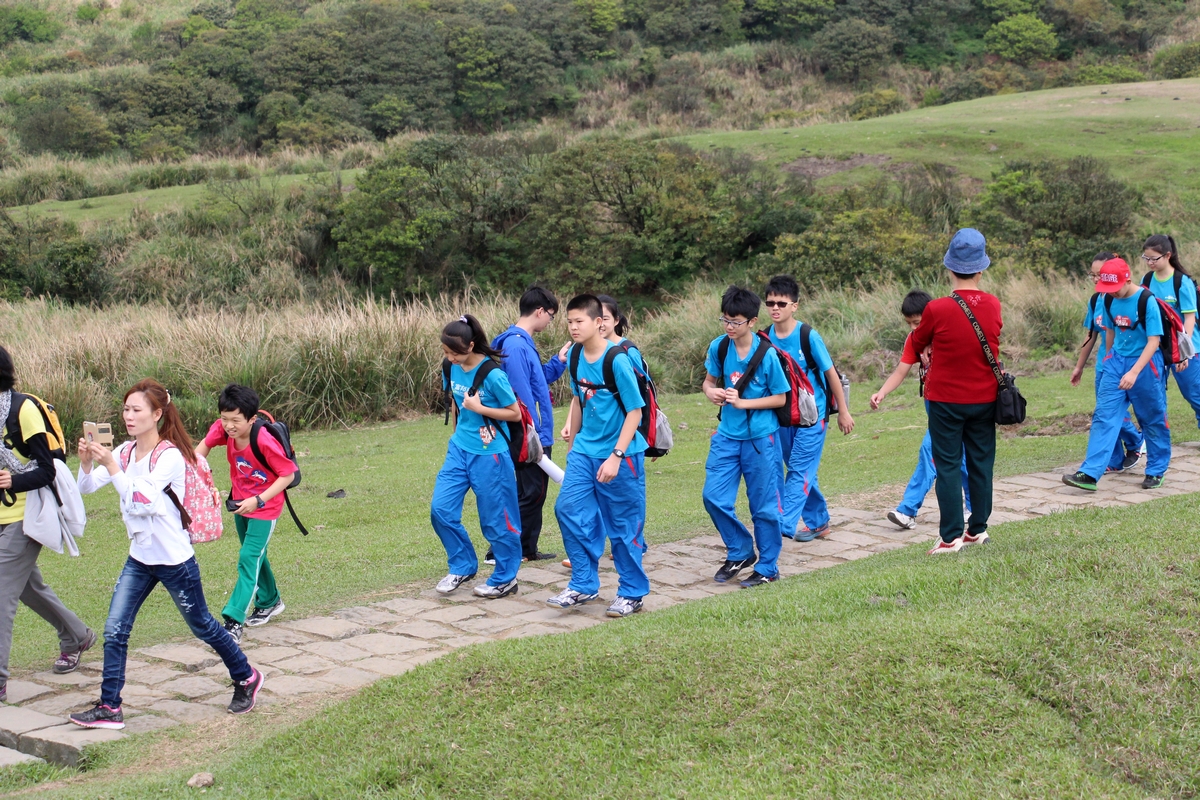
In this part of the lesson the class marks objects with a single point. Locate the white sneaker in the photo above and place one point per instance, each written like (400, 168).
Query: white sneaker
(624, 606)
(569, 598)
(496, 592)
(968, 538)
(451, 582)
(902, 520)
(947, 547)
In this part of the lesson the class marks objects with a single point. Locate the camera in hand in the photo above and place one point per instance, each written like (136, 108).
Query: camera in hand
(232, 504)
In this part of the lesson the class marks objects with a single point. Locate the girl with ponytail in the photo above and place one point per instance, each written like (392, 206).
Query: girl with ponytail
(1170, 283)
(160, 550)
(614, 325)
(477, 458)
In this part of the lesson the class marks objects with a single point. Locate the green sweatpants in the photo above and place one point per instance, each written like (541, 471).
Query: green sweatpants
(255, 582)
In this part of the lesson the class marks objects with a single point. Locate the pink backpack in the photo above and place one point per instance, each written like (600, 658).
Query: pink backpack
(200, 510)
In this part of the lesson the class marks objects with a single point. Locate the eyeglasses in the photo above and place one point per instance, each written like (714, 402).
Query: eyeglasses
(777, 303)
(550, 314)
(733, 323)
(1152, 259)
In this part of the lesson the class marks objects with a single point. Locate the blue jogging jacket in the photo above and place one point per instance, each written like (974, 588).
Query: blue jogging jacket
(530, 378)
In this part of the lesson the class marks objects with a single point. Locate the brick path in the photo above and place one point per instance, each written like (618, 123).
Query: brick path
(170, 684)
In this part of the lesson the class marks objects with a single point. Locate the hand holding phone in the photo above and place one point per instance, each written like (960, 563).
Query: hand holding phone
(100, 433)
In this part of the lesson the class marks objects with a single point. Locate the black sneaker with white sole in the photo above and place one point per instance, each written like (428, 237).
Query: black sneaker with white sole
(261, 616)
(245, 693)
(757, 579)
(730, 569)
(100, 716)
(235, 629)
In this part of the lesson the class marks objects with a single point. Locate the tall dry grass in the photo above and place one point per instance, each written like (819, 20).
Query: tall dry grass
(353, 362)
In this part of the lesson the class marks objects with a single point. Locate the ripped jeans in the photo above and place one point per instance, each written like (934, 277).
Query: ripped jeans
(182, 582)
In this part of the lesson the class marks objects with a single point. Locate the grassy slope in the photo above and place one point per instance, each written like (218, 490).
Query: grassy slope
(1149, 137)
(1057, 661)
(379, 536)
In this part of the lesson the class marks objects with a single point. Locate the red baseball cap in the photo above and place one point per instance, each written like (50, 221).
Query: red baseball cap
(1113, 275)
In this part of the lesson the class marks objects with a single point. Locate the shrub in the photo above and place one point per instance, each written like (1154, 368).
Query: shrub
(1022, 38)
(63, 127)
(26, 22)
(878, 103)
(852, 49)
(87, 13)
(1098, 74)
(1178, 61)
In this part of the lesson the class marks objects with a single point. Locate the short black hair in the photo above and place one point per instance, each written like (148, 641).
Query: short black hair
(8, 373)
(536, 297)
(1103, 255)
(235, 397)
(739, 302)
(588, 303)
(965, 276)
(914, 302)
(784, 286)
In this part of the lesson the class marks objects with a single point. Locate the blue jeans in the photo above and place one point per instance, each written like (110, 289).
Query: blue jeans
(182, 582)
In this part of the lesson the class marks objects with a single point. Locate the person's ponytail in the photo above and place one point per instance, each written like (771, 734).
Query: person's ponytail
(466, 331)
(170, 425)
(620, 323)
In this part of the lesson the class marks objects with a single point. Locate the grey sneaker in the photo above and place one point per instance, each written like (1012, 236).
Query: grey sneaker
(903, 521)
(262, 616)
(69, 662)
(568, 598)
(624, 607)
(496, 592)
(448, 584)
(100, 716)
(235, 630)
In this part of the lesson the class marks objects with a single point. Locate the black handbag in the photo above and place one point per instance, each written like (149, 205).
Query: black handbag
(1010, 405)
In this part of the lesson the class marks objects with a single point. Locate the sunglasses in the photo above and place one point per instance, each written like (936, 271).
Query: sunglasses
(777, 303)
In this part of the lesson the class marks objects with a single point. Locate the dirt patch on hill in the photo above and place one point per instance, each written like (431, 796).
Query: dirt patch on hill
(1050, 426)
(816, 167)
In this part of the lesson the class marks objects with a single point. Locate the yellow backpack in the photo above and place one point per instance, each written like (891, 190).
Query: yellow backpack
(54, 432)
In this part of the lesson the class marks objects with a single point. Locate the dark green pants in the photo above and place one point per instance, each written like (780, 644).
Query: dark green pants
(957, 430)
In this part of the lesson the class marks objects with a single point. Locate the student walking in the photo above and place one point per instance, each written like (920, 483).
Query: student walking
(802, 447)
(923, 477)
(26, 465)
(530, 380)
(151, 489)
(962, 400)
(1170, 282)
(478, 459)
(1131, 445)
(745, 379)
(260, 471)
(604, 489)
(1133, 373)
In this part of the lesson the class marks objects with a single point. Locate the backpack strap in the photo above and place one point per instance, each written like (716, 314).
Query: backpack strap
(806, 349)
(987, 348)
(760, 352)
(1092, 315)
(1147, 278)
(573, 363)
(481, 372)
(447, 400)
(610, 374)
(1143, 308)
(1178, 286)
(722, 353)
(255, 430)
(126, 456)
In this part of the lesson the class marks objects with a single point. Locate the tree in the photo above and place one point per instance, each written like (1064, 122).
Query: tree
(852, 49)
(63, 126)
(1022, 38)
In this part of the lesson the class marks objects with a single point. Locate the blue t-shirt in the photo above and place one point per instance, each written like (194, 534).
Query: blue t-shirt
(1123, 317)
(1093, 320)
(1184, 304)
(602, 416)
(474, 432)
(768, 380)
(635, 356)
(816, 373)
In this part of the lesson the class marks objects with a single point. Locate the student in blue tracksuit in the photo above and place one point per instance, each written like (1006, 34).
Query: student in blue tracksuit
(530, 380)
(477, 458)
(604, 490)
(802, 447)
(1160, 254)
(1130, 444)
(1133, 373)
(746, 443)
(923, 477)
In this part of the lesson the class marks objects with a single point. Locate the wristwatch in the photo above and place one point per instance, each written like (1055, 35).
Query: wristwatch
(261, 504)
(618, 452)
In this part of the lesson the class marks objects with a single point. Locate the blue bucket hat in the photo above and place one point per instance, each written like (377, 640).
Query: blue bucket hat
(967, 253)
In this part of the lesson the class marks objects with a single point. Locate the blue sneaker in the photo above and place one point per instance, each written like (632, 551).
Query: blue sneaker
(807, 535)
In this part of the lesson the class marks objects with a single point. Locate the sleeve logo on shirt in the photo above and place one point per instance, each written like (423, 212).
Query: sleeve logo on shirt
(1123, 321)
(246, 470)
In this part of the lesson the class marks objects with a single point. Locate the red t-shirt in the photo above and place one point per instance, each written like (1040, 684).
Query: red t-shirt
(907, 354)
(969, 379)
(250, 477)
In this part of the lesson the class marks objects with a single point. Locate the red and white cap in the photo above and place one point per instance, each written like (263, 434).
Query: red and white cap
(1113, 275)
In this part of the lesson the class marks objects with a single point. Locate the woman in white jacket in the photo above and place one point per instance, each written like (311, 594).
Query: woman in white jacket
(160, 550)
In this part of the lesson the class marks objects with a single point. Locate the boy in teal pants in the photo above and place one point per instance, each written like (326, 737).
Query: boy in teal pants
(258, 491)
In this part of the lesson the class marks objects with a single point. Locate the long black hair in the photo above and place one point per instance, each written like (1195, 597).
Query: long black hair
(460, 334)
(1163, 243)
(620, 324)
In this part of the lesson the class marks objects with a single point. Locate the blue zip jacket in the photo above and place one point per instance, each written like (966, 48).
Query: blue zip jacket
(530, 378)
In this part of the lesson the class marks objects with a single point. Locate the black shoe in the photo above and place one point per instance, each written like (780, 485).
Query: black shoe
(245, 693)
(100, 716)
(1081, 480)
(1152, 482)
(1131, 458)
(542, 556)
(757, 579)
(730, 569)
(235, 630)
(490, 558)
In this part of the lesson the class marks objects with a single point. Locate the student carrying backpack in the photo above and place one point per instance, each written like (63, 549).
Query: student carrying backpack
(1171, 283)
(1173, 342)
(524, 444)
(200, 506)
(800, 410)
(659, 437)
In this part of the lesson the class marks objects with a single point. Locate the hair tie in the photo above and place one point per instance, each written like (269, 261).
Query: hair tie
(463, 319)
(168, 391)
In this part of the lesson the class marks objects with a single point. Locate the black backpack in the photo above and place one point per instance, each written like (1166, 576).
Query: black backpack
(1177, 282)
(282, 434)
(648, 427)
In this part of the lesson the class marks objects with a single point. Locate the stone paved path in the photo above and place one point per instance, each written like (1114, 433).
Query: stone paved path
(170, 684)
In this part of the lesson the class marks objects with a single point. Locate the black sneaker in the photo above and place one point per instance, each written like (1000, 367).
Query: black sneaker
(245, 693)
(757, 579)
(730, 569)
(1081, 480)
(540, 556)
(1131, 458)
(262, 616)
(100, 716)
(490, 558)
(235, 630)
(1152, 482)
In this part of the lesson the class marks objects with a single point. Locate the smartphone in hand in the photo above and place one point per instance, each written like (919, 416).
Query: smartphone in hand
(101, 433)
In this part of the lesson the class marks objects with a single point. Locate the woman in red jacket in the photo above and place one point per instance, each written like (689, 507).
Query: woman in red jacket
(961, 391)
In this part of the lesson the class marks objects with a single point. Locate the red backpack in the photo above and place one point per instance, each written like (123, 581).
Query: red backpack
(654, 427)
(200, 509)
(524, 444)
(1172, 323)
(800, 410)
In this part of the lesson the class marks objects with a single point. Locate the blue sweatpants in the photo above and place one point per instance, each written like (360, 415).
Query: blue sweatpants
(1149, 399)
(494, 482)
(801, 495)
(759, 462)
(588, 510)
(923, 478)
(1188, 381)
(1130, 440)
